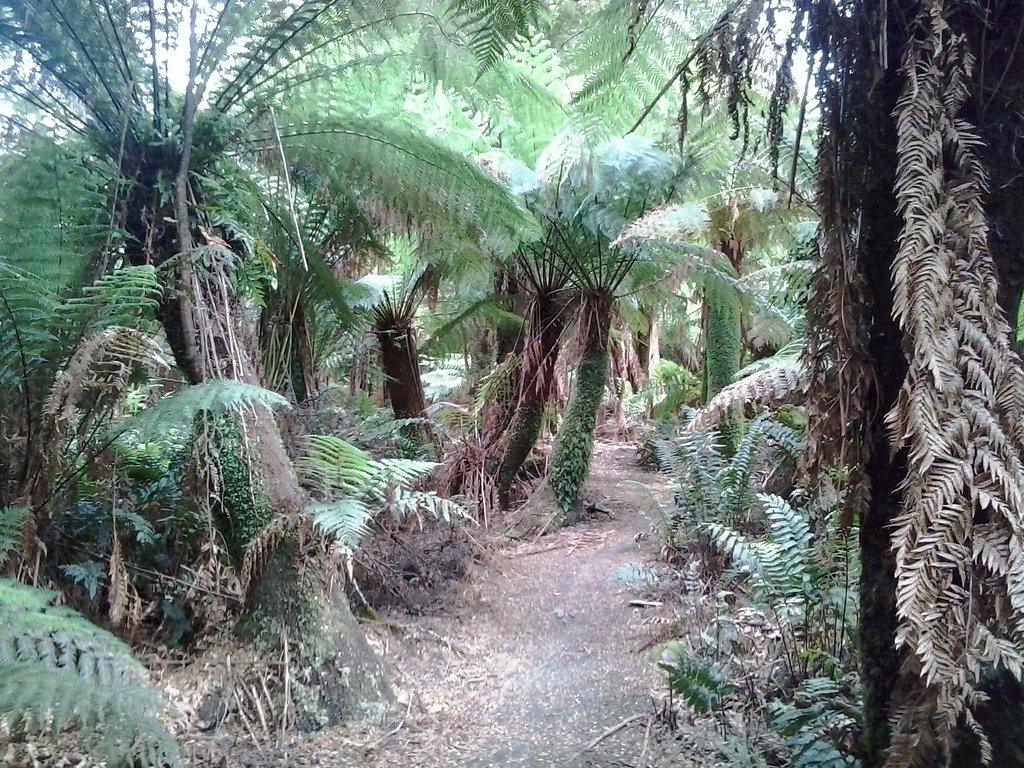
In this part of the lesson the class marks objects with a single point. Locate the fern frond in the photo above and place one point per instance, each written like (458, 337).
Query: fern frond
(784, 383)
(125, 296)
(700, 684)
(494, 26)
(179, 410)
(959, 410)
(406, 171)
(347, 520)
(104, 365)
(12, 521)
(58, 671)
(330, 465)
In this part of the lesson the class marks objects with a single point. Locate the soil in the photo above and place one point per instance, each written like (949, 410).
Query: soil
(529, 655)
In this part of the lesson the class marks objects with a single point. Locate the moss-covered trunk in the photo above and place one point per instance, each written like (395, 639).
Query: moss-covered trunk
(299, 603)
(400, 363)
(723, 343)
(574, 446)
(722, 338)
(536, 381)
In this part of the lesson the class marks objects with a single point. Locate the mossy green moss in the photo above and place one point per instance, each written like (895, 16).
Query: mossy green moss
(723, 341)
(570, 462)
(523, 434)
(723, 344)
(243, 510)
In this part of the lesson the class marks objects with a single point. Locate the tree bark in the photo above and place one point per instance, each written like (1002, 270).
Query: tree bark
(866, 178)
(400, 363)
(536, 383)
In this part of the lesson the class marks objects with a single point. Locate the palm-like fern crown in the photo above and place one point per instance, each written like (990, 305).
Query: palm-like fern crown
(584, 197)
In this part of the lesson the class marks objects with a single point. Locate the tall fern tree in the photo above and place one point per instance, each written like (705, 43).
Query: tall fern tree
(917, 177)
(595, 193)
(103, 73)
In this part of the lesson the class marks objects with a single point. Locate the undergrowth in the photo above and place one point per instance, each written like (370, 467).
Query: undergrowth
(770, 659)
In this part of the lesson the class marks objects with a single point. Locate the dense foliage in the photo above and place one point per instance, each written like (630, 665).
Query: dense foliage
(280, 280)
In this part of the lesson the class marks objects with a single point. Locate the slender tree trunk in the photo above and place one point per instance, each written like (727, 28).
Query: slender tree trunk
(647, 346)
(399, 360)
(723, 343)
(303, 370)
(574, 446)
(722, 338)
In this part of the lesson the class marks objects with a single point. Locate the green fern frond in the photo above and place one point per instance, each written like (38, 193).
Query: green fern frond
(493, 26)
(58, 671)
(403, 504)
(347, 520)
(12, 520)
(330, 465)
(179, 410)
(283, 39)
(407, 171)
(700, 684)
(125, 296)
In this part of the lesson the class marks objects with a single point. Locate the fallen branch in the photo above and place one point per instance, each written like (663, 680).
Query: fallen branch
(609, 733)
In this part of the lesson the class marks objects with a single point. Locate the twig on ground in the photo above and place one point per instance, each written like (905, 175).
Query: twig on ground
(609, 733)
(416, 628)
(647, 743)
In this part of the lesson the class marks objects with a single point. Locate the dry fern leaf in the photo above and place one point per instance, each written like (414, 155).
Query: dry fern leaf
(104, 363)
(779, 385)
(959, 540)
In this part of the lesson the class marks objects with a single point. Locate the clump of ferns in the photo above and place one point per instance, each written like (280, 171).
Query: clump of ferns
(60, 673)
(779, 639)
(712, 487)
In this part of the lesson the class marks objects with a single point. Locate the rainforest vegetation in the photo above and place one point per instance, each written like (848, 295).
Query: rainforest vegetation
(317, 317)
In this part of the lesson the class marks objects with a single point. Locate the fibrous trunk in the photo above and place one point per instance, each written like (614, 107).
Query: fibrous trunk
(723, 340)
(574, 446)
(536, 382)
(399, 359)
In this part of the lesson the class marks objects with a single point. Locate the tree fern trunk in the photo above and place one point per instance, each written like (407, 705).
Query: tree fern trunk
(521, 437)
(400, 363)
(536, 381)
(722, 345)
(574, 446)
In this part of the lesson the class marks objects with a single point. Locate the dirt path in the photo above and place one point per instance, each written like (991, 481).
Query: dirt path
(534, 656)
(543, 648)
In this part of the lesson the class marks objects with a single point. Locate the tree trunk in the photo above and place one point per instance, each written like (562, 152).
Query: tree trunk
(857, 173)
(864, 179)
(399, 361)
(723, 343)
(570, 461)
(647, 347)
(536, 381)
(722, 338)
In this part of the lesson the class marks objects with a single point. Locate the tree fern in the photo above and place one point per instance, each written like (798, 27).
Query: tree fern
(58, 671)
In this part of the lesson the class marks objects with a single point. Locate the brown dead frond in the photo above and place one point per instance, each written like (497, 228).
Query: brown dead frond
(261, 548)
(959, 541)
(779, 385)
(102, 367)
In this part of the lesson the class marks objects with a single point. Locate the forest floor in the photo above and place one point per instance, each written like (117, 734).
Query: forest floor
(536, 655)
